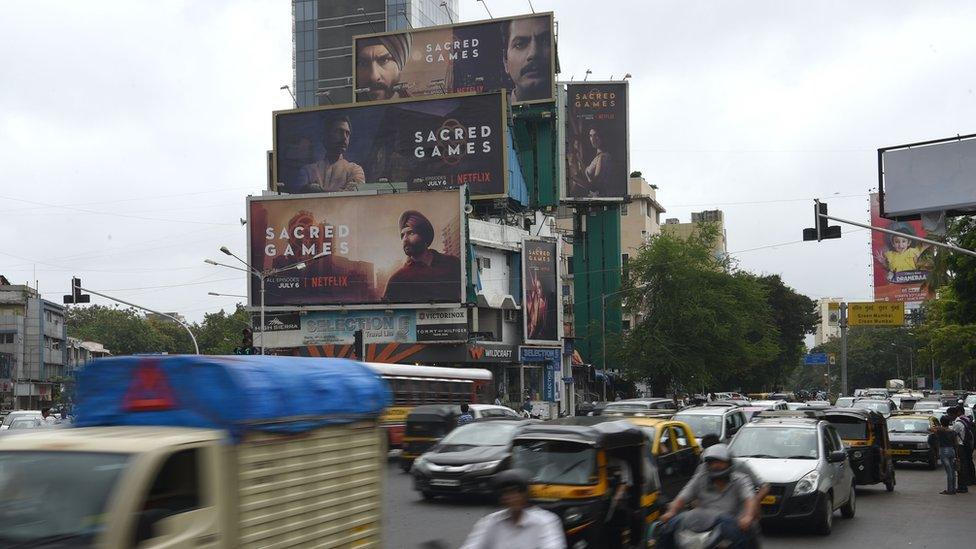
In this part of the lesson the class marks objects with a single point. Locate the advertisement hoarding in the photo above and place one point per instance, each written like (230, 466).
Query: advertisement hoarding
(596, 141)
(516, 54)
(378, 326)
(540, 284)
(401, 250)
(429, 144)
(550, 357)
(901, 266)
(932, 176)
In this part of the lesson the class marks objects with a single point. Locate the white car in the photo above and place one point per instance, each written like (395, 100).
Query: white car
(19, 414)
(492, 410)
(771, 404)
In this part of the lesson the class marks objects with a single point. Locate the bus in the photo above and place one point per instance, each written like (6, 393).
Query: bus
(415, 385)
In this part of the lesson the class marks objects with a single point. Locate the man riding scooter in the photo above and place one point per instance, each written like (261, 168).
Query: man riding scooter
(726, 494)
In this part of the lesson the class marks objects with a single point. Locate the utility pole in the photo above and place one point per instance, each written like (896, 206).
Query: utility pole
(843, 349)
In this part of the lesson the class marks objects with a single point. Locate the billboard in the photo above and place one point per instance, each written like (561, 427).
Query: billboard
(436, 143)
(932, 176)
(901, 266)
(515, 54)
(403, 249)
(596, 140)
(378, 326)
(540, 297)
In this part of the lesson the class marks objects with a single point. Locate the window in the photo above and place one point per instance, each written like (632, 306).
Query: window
(665, 447)
(7, 338)
(681, 436)
(623, 209)
(175, 490)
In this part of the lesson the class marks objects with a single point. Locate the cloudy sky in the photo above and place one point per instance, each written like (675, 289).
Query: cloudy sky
(130, 132)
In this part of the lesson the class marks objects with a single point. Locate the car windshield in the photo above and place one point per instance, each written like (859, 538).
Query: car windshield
(776, 443)
(927, 405)
(46, 495)
(970, 401)
(844, 402)
(850, 428)
(702, 425)
(896, 425)
(556, 462)
(880, 406)
(489, 433)
(26, 423)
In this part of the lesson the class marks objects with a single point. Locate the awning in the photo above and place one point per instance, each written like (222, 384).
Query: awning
(497, 301)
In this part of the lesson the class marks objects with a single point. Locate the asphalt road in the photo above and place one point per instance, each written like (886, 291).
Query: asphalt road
(913, 516)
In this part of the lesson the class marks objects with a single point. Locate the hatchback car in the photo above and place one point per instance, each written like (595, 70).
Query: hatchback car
(19, 414)
(804, 462)
(722, 421)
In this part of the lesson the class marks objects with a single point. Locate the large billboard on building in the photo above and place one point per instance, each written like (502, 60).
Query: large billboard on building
(597, 163)
(394, 250)
(933, 176)
(516, 54)
(434, 143)
(540, 285)
(283, 330)
(901, 266)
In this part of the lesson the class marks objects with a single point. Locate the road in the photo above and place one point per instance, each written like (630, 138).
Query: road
(913, 516)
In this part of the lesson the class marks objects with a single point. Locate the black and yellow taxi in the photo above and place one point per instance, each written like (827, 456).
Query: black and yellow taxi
(911, 438)
(576, 466)
(674, 449)
(865, 436)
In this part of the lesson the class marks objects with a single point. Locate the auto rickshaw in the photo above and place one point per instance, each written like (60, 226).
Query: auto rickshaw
(865, 436)
(425, 426)
(674, 449)
(575, 468)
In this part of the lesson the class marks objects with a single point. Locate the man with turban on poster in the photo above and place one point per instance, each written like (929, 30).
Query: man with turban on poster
(379, 63)
(427, 275)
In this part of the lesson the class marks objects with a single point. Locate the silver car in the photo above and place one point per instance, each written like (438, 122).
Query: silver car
(804, 462)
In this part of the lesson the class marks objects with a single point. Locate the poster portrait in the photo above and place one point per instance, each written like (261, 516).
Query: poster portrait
(540, 296)
(597, 163)
(901, 265)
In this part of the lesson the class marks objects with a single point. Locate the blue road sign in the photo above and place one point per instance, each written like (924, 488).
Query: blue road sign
(815, 359)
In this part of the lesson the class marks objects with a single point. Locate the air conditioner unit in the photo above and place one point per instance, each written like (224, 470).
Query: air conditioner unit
(511, 315)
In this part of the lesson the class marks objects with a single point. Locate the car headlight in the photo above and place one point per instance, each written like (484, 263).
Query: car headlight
(420, 464)
(485, 466)
(858, 454)
(573, 516)
(807, 484)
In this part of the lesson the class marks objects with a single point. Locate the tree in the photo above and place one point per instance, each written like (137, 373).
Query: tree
(698, 323)
(794, 316)
(874, 355)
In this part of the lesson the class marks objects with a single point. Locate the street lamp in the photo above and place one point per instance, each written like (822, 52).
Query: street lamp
(262, 275)
(226, 295)
(603, 325)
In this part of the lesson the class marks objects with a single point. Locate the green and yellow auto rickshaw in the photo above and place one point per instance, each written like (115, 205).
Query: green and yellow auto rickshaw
(575, 465)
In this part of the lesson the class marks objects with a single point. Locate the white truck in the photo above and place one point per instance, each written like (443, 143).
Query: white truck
(203, 452)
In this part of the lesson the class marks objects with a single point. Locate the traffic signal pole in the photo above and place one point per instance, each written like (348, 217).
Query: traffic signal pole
(843, 349)
(896, 233)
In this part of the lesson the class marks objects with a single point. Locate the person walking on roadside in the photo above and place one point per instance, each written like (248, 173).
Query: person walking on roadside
(964, 428)
(466, 416)
(520, 525)
(947, 439)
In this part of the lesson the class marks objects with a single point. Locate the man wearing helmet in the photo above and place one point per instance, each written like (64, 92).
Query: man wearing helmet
(520, 525)
(718, 488)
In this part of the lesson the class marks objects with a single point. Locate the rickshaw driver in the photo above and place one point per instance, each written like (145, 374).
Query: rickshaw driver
(720, 489)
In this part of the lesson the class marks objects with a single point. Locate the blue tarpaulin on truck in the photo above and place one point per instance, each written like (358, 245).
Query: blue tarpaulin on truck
(235, 393)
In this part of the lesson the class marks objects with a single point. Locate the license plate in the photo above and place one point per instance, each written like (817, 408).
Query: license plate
(769, 500)
(445, 482)
(900, 452)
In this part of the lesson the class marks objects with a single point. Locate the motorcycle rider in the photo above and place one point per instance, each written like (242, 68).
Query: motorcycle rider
(718, 488)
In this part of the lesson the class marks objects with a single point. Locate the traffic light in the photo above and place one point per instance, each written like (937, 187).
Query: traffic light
(821, 229)
(76, 296)
(358, 349)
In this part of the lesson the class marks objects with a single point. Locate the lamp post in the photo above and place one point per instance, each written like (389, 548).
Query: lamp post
(262, 276)
(603, 325)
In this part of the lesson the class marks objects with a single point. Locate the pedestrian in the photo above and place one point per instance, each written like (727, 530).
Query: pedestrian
(965, 427)
(466, 416)
(520, 525)
(527, 407)
(947, 438)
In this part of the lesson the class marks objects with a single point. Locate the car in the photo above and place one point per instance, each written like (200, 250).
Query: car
(674, 450)
(18, 414)
(883, 406)
(639, 405)
(969, 401)
(770, 404)
(788, 397)
(752, 411)
(467, 459)
(804, 462)
(845, 402)
(492, 410)
(876, 393)
(911, 439)
(927, 406)
(817, 404)
(722, 421)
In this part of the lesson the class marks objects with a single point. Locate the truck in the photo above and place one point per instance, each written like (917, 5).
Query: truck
(212, 452)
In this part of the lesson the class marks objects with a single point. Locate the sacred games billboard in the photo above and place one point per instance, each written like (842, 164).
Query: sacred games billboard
(436, 143)
(597, 164)
(395, 250)
(901, 265)
(540, 283)
(514, 54)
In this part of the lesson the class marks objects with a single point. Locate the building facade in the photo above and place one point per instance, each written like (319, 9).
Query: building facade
(684, 230)
(33, 335)
(322, 33)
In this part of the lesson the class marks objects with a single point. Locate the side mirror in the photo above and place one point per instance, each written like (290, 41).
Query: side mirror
(837, 457)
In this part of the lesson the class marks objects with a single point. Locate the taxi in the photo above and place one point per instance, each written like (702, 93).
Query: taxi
(673, 448)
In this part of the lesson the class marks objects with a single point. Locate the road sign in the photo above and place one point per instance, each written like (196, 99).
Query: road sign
(833, 359)
(876, 314)
(813, 359)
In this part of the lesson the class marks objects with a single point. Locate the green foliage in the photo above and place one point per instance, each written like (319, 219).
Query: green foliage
(126, 331)
(874, 355)
(794, 316)
(699, 323)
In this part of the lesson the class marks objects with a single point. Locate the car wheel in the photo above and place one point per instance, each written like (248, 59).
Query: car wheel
(825, 517)
(890, 482)
(428, 496)
(848, 509)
